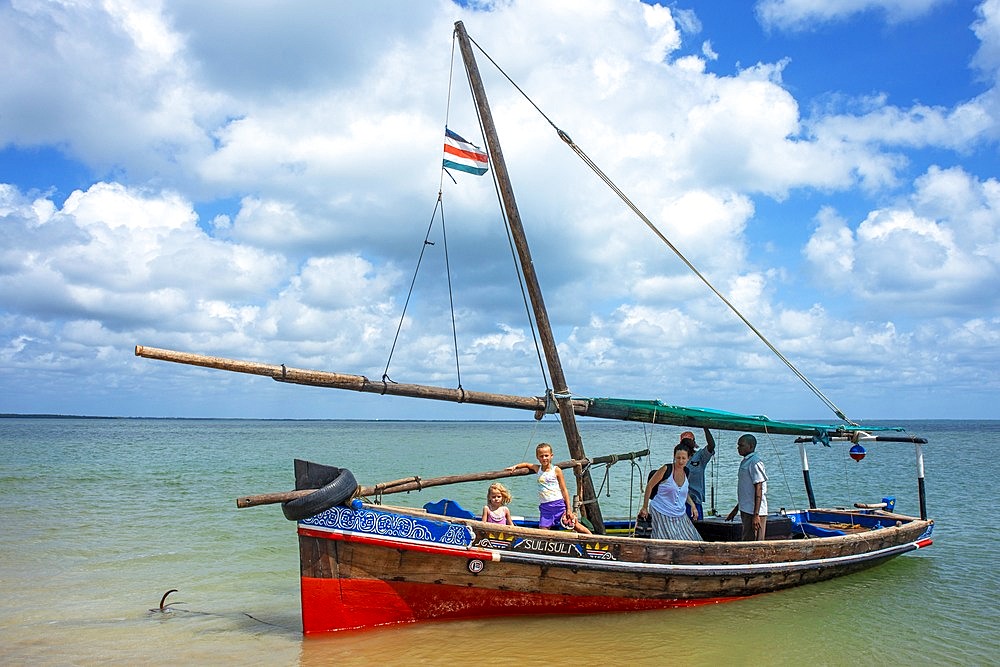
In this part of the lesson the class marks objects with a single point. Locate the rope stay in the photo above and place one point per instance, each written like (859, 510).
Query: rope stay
(451, 297)
(781, 468)
(438, 206)
(510, 238)
(635, 209)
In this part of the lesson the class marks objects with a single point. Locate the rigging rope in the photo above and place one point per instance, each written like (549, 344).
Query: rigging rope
(713, 477)
(531, 439)
(413, 281)
(510, 238)
(635, 468)
(628, 202)
(438, 205)
(784, 477)
(451, 297)
(447, 112)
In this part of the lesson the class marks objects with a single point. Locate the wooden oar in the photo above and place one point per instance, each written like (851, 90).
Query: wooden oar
(416, 483)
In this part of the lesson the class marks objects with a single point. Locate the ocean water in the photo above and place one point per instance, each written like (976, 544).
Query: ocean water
(100, 517)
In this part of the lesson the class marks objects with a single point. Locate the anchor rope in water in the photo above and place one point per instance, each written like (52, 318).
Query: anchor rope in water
(166, 607)
(628, 202)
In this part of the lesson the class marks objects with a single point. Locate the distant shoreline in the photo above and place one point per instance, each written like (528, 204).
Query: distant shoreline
(14, 415)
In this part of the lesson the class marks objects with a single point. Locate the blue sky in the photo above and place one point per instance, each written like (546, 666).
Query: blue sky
(255, 181)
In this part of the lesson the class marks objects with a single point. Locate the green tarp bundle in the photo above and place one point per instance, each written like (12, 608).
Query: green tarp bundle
(656, 412)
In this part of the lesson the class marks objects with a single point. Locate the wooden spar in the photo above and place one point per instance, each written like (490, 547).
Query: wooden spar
(416, 483)
(581, 406)
(282, 373)
(560, 389)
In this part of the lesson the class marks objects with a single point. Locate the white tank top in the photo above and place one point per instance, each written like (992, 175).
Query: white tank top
(548, 486)
(670, 498)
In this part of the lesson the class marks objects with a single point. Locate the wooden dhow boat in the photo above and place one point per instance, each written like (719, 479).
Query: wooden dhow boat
(365, 563)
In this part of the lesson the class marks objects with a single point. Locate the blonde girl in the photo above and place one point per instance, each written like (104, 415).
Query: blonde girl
(496, 510)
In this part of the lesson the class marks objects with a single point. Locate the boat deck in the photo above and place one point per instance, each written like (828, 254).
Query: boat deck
(798, 524)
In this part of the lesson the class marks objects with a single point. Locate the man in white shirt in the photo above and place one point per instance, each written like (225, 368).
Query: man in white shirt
(751, 490)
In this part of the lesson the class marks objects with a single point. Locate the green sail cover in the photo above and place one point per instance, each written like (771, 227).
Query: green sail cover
(656, 412)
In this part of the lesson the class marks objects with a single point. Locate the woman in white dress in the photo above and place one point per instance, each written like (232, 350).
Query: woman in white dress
(666, 497)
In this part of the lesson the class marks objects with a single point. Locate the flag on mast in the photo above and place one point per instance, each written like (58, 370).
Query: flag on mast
(460, 154)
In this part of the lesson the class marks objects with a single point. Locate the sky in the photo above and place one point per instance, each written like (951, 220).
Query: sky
(257, 180)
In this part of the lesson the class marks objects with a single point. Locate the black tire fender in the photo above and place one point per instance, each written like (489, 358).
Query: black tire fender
(335, 493)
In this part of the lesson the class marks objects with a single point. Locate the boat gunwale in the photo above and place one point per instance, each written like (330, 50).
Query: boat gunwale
(732, 547)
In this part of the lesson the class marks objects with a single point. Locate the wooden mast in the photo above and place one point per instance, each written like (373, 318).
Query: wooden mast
(563, 398)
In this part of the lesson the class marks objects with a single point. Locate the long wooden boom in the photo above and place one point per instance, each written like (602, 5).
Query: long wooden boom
(282, 373)
(650, 412)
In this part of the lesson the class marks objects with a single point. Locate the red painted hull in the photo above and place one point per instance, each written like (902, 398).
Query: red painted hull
(344, 604)
(370, 567)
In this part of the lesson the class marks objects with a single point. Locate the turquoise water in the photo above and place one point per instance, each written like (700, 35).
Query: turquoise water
(98, 518)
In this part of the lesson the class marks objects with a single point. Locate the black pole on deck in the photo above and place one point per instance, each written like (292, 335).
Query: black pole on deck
(809, 489)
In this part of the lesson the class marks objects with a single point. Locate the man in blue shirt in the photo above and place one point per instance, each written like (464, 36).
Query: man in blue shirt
(696, 468)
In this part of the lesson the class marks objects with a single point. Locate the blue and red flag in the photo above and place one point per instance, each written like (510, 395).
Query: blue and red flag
(460, 154)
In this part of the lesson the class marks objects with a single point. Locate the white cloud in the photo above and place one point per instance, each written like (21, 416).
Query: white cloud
(805, 14)
(340, 282)
(987, 29)
(958, 128)
(327, 131)
(121, 254)
(117, 90)
(936, 252)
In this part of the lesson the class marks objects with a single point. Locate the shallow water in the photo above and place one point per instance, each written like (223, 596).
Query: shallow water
(98, 518)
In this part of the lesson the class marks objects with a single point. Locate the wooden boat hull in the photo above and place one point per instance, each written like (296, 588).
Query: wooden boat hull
(376, 566)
